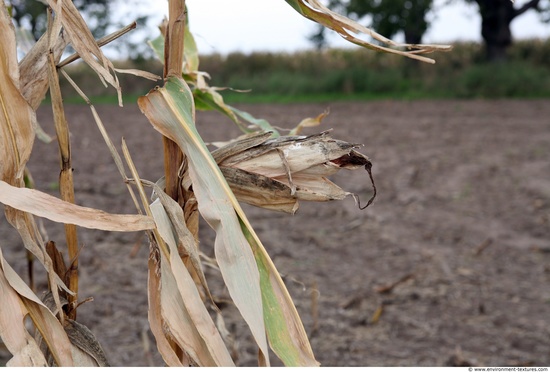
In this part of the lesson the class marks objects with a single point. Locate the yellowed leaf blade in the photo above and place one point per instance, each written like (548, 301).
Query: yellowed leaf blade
(44, 320)
(140, 73)
(44, 205)
(171, 111)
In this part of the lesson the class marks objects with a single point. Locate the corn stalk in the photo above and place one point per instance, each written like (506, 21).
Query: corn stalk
(262, 168)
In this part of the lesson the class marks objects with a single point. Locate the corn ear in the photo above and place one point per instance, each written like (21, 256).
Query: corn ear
(276, 173)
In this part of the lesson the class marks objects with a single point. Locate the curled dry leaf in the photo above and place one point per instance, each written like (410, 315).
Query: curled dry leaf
(84, 43)
(276, 173)
(317, 12)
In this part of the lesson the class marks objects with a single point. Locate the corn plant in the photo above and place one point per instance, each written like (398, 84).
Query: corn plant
(263, 168)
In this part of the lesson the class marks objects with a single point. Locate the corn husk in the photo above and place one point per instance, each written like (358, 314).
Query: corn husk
(277, 173)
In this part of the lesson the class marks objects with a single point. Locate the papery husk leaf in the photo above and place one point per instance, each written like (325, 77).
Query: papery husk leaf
(183, 310)
(275, 174)
(261, 191)
(44, 320)
(314, 188)
(317, 12)
(44, 205)
(239, 145)
(300, 152)
(171, 111)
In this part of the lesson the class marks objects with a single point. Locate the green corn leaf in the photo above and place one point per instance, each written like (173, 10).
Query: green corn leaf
(171, 111)
(259, 123)
(252, 280)
(285, 331)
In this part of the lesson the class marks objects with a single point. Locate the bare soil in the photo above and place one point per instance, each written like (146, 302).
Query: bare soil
(449, 266)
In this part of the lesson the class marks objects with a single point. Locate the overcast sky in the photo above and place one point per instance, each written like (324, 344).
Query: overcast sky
(222, 26)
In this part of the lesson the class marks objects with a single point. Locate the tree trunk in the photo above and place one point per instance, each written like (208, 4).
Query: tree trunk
(496, 16)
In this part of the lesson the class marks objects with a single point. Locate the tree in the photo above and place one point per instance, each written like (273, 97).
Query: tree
(496, 17)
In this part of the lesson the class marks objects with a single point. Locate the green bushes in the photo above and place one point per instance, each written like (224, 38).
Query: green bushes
(363, 74)
(513, 79)
(355, 73)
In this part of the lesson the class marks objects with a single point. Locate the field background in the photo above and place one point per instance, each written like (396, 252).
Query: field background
(354, 74)
(450, 266)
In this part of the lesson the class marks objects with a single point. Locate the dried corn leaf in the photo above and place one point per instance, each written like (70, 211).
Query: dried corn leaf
(84, 43)
(16, 140)
(44, 320)
(171, 111)
(16, 117)
(317, 12)
(44, 205)
(182, 308)
(156, 321)
(186, 245)
(140, 73)
(85, 348)
(34, 74)
(13, 333)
